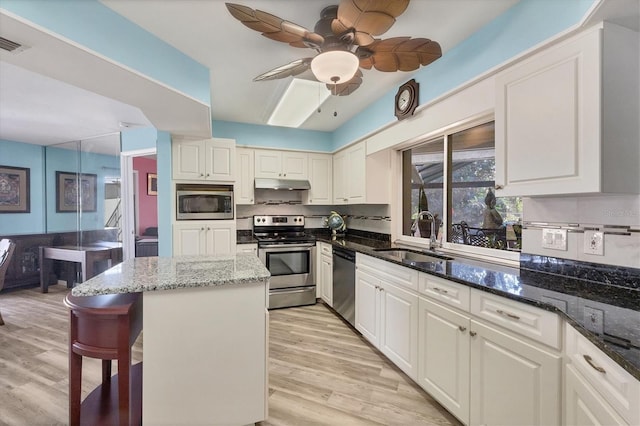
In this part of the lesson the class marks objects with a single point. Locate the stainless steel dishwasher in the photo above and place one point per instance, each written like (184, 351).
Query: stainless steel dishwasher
(344, 283)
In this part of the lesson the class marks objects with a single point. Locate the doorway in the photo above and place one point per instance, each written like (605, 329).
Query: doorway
(139, 203)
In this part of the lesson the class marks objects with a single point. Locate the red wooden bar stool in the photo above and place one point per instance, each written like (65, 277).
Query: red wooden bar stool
(105, 327)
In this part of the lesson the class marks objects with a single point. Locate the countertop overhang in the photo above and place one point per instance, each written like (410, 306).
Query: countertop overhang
(169, 273)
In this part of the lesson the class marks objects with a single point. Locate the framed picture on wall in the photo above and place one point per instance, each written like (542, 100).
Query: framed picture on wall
(76, 190)
(152, 184)
(14, 190)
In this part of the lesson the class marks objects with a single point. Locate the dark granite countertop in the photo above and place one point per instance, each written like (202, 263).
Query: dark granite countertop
(576, 299)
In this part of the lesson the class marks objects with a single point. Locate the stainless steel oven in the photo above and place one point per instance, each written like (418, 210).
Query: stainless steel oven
(289, 255)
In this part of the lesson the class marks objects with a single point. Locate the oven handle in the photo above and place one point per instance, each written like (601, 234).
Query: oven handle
(286, 246)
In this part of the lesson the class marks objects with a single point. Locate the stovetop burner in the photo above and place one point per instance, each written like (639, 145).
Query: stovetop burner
(281, 229)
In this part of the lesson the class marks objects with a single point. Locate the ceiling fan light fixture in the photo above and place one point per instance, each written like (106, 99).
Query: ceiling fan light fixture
(335, 66)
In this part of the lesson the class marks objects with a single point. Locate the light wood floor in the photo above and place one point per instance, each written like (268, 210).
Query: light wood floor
(321, 371)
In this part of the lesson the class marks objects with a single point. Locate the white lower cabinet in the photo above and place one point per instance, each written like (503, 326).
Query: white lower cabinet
(593, 376)
(512, 381)
(387, 316)
(325, 273)
(204, 238)
(583, 405)
(443, 348)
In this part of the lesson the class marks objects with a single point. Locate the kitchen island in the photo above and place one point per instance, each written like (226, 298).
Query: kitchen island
(205, 335)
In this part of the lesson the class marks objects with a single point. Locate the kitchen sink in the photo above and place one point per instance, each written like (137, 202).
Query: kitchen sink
(413, 256)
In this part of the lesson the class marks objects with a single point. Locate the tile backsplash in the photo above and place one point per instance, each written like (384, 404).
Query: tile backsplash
(371, 218)
(617, 215)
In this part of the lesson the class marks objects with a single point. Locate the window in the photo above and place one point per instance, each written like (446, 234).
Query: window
(451, 179)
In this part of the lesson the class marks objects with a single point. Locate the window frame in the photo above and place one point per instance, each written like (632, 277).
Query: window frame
(509, 258)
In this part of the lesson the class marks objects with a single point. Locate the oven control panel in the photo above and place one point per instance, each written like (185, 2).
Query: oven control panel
(286, 220)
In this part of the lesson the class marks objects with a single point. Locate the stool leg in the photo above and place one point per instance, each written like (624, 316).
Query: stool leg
(106, 372)
(124, 371)
(75, 375)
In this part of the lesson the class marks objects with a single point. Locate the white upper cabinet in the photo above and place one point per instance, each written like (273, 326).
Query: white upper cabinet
(567, 117)
(210, 159)
(244, 188)
(281, 164)
(359, 178)
(321, 179)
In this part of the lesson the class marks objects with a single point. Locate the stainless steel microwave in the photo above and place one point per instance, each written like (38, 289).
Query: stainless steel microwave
(204, 202)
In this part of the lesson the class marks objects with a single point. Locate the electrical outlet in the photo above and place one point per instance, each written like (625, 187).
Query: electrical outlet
(594, 242)
(593, 320)
(555, 239)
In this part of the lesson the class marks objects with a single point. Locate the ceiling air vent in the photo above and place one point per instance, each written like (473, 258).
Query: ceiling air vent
(10, 46)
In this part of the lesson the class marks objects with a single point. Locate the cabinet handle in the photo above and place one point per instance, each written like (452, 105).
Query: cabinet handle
(461, 328)
(345, 199)
(251, 200)
(208, 175)
(592, 364)
(284, 174)
(208, 228)
(280, 174)
(202, 229)
(201, 174)
(440, 290)
(473, 333)
(499, 186)
(508, 314)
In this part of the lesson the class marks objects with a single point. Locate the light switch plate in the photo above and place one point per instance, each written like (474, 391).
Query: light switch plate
(594, 242)
(555, 239)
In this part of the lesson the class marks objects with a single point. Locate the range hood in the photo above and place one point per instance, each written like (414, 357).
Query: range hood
(289, 184)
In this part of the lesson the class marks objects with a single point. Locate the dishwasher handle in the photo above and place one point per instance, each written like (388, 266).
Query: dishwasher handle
(345, 254)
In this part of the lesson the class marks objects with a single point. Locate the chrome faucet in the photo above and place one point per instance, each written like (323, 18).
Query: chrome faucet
(433, 242)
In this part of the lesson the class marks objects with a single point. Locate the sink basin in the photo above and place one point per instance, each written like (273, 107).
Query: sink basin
(413, 256)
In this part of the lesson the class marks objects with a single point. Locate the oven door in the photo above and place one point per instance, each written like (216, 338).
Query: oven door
(290, 265)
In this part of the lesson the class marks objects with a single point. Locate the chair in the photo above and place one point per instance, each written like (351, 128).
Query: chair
(6, 251)
(460, 233)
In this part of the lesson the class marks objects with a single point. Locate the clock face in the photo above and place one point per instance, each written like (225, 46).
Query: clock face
(404, 100)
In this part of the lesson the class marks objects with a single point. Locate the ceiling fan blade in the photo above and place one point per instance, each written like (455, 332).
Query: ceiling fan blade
(293, 68)
(275, 28)
(347, 88)
(367, 17)
(399, 54)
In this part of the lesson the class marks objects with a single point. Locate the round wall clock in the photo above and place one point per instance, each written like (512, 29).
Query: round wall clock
(406, 99)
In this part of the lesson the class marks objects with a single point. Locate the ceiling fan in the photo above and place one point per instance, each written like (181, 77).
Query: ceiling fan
(344, 39)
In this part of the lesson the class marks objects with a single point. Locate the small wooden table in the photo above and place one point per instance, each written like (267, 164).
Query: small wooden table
(86, 256)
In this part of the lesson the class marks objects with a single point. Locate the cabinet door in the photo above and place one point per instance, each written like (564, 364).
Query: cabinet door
(340, 178)
(326, 284)
(268, 164)
(399, 328)
(356, 176)
(512, 381)
(367, 306)
(548, 121)
(321, 180)
(188, 159)
(244, 187)
(443, 352)
(189, 239)
(583, 405)
(220, 238)
(220, 160)
(294, 165)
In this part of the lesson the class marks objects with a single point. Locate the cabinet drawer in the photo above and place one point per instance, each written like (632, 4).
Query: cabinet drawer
(389, 272)
(445, 291)
(325, 249)
(614, 384)
(537, 324)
